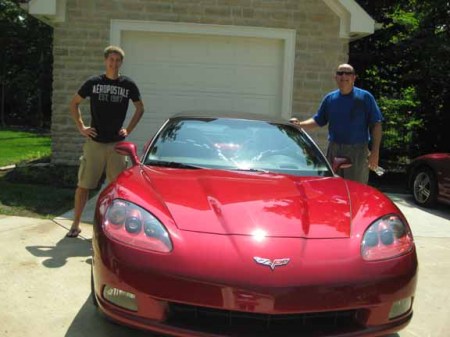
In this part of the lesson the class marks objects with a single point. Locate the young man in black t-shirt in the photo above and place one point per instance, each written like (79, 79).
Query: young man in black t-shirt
(109, 95)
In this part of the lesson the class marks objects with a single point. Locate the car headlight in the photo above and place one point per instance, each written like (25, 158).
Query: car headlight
(386, 238)
(136, 227)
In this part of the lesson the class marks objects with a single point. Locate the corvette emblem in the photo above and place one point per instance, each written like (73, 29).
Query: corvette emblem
(270, 263)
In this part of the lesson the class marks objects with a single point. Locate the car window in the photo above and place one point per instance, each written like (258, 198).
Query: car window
(234, 144)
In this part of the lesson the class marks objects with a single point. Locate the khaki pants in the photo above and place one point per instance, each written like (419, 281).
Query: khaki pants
(358, 154)
(98, 158)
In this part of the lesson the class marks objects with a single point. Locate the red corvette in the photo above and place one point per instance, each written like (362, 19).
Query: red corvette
(237, 226)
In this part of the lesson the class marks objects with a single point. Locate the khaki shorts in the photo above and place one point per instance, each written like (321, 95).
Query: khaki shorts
(98, 158)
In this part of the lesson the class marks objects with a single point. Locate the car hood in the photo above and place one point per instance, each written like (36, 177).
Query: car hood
(244, 203)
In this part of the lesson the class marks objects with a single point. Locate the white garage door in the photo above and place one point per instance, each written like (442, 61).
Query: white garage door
(181, 71)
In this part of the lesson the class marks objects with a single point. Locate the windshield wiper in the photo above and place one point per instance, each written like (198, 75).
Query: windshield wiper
(172, 164)
(250, 169)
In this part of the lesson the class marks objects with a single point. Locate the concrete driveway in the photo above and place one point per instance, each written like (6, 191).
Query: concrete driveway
(45, 277)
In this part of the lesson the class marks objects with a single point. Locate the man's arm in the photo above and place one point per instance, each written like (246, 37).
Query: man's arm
(75, 112)
(374, 157)
(139, 111)
(307, 124)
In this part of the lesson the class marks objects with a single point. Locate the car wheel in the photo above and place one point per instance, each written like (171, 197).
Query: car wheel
(424, 187)
(93, 298)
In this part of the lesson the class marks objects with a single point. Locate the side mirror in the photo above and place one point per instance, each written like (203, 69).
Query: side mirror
(128, 149)
(341, 163)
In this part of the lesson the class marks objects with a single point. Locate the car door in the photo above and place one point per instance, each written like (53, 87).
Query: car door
(443, 175)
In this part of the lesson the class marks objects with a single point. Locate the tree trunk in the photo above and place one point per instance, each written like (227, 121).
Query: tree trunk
(2, 106)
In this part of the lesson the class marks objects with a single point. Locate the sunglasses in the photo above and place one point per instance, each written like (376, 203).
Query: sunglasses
(340, 73)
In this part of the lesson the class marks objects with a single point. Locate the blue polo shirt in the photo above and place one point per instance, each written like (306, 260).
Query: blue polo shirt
(348, 116)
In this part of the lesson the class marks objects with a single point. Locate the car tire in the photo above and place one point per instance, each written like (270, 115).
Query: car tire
(93, 298)
(424, 187)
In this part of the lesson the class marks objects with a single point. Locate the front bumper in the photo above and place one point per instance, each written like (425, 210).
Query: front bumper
(346, 299)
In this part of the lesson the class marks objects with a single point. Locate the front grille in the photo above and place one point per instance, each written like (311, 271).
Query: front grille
(242, 324)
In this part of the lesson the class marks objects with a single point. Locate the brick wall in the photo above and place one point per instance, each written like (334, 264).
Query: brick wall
(80, 40)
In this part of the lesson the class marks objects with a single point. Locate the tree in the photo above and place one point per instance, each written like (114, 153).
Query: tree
(405, 64)
(26, 67)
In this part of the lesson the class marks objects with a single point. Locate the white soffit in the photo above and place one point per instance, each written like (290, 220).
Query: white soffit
(355, 22)
(49, 11)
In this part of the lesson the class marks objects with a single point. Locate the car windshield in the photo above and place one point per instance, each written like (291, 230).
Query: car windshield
(236, 144)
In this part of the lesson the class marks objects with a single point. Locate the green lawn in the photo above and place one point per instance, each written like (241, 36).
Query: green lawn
(20, 146)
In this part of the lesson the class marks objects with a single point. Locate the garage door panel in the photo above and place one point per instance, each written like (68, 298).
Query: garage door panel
(250, 80)
(202, 78)
(261, 52)
(194, 77)
(168, 103)
(202, 49)
(175, 102)
(162, 100)
(254, 80)
(260, 105)
(151, 76)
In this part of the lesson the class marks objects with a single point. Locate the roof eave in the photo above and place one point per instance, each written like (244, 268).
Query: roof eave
(355, 22)
(48, 11)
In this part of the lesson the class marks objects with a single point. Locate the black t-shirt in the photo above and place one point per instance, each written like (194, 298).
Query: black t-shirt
(109, 104)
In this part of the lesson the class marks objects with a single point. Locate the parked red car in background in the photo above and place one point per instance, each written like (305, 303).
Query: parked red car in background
(429, 179)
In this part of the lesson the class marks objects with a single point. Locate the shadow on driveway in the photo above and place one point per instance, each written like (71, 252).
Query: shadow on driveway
(90, 322)
(64, 249)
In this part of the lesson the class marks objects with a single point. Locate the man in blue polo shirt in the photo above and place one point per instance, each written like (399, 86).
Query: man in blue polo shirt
(354, 120)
